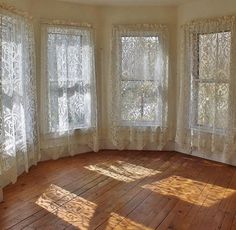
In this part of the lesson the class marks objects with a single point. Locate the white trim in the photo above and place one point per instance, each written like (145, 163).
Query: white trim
(105, 144)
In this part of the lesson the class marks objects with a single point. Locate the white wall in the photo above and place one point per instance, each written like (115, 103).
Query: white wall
(102, 18)
(50, 9)
(202, 9)
(129, 15)
(205, 8)
(23, 5)
(198, 9)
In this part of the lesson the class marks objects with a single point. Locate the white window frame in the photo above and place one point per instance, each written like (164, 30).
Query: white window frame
(195, 80)
(146, 30)
(44, 72)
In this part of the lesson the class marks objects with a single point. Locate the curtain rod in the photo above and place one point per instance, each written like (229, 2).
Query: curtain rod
(231, 18)
(140, 25)
(14, 10)
(64, 23)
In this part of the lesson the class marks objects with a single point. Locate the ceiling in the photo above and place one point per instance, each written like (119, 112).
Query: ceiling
(130, 2)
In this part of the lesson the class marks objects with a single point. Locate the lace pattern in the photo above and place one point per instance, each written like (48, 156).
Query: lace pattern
(139, 85)
(68, 87)
(18, 102)
(206, 115)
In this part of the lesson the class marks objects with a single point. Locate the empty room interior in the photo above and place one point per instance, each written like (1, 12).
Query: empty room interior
(118, 114)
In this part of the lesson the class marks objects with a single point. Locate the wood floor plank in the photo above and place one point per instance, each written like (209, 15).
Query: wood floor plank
(233, 226)
(117, 205)
(85, 190)
(109, 198)
(179, 210)
(147, 210)
(21, 210)
(123, 190)
(193, 205)
(213, 193)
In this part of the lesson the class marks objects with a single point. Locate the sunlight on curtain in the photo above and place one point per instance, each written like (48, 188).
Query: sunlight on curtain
(206, 115)
(18, 123)
(68, 90)
(139, 85)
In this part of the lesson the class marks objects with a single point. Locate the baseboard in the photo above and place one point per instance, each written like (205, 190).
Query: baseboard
(1, 195)
(171, 146)
(217, 157)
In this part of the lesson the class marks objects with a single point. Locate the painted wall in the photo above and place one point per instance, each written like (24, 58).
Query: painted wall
(129, 15)
(205, 8)
(202, 9)
(196, 10)
(102, 18)
(23, 5)
(50, 9)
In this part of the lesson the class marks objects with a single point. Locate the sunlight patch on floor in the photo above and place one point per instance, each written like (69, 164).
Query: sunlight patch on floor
(123, 171)
(119, 222)
(190, 190)
(69, 207)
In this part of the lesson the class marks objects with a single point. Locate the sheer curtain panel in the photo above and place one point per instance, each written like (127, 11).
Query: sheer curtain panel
(68, 102)
(207, 104)
(139, 86)
(18, 104)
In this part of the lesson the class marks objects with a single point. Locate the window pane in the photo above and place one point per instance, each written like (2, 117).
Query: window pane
(139, 101)
(140, 57)
(139, 85)
(69, 88)
(214, 55)
(212, 104)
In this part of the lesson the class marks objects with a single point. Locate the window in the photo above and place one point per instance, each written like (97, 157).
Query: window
(210, 80)
(139, 94)
(17, 99)
(18, 108)
(141, 78)
(70, 79)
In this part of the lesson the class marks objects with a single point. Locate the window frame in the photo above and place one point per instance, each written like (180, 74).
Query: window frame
(195, 80)
(135, 123)
(46, 81)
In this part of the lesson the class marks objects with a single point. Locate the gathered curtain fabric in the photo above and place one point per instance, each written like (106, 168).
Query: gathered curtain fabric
(19, 145)
(138, 99)
(207, 94)
(68, 90)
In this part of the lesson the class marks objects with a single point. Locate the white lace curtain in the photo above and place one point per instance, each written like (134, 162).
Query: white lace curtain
(18, 121)
(139, 86)
(207, 104)
(68, 102)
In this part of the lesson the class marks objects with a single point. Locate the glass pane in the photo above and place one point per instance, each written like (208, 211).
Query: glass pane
(212, 105)
(214, 55)
(222, 105)
(140, 76)
(206, 101)
(69, 94)
(139, 101)
(140, 58)
(12, 81)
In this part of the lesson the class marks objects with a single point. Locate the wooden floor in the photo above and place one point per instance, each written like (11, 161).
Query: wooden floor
(123, 190)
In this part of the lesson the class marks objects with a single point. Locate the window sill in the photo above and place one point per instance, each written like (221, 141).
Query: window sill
(208, 130)
(139, 125)
(65, 133)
